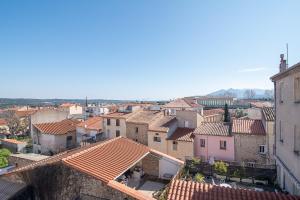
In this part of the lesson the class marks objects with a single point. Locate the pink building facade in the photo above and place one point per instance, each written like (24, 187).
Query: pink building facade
(214, 140)
(212, 147)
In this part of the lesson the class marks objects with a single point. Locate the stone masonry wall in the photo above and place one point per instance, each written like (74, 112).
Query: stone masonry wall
(150, 165)
(59, 182)
(141, 136)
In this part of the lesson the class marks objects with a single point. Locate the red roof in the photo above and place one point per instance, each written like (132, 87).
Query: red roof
(25, 113)
(248, 126)
(3, 122)
(183, 134)
(213, 128)
(94, 123)
(185, 190)
(108, 160)
(213, 112)
(57, 128)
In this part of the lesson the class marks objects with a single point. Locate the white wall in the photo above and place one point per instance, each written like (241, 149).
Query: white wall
(168, 166)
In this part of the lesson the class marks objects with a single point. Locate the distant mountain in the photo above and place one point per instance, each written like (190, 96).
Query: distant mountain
(244, 93)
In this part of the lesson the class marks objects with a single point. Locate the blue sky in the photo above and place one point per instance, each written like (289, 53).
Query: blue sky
(142, 49)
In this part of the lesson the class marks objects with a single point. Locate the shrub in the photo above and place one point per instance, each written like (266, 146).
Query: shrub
(4, 153)
(220, 167)
(3, 162)
(196, 161)
(199, 178)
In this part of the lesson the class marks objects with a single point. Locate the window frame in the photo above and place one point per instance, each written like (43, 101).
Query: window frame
(202, 143)
(156, 138)
(117, 122)
(224, 146)
(175, 144)
(297, 89)
(118, 133)
(108, 122)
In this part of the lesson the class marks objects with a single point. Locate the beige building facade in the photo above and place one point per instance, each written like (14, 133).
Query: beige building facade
(287, 123)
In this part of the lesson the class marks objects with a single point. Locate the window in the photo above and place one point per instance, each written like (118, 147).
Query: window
(108, 122)
(156, 139)
(281, 92)
(117, 122)
(136, 129)
(175, 144)
(186, 124)
(202, 142)
(262, 149)
(280, 132)
(117, 133)
(297, 89)
(223, 144)
(69, 141)
(296, 139)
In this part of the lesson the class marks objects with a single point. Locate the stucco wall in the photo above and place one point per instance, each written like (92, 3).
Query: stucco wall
(212, 148)
(193, 118)
(247, 148)
(112, 128)
(184, 150)
(288, 113)
(159, 146)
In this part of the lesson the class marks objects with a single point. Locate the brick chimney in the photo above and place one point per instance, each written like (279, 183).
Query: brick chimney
(282, 65)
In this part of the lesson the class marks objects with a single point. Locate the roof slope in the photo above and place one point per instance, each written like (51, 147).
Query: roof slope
(3, 122)
(269, 113)
(108, 160)
(180, 103)
(58, 128)
(94, 123)
(183, 134)
(144, 116)
(162, 123)
(211, 112)
(213, 128)
(180, 189)
(248, 126)
(9, 189)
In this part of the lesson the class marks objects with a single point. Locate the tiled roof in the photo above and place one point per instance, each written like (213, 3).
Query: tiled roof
(144, 116)
(182, 103)
(162, 123)
(123, 115)
(3, 122)
(57, 128)
(213, 128)
(66, 105)
(13, 141)
(182, 134)
(248, 126)
(212, 112)
(189, 190)
(108, 160)
(93, 123)
(192, 102)
(269, 113)
(24, 113)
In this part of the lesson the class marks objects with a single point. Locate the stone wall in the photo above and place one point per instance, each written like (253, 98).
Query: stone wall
(58, 181)
(141, 136)
(12, 160)
(150, 165)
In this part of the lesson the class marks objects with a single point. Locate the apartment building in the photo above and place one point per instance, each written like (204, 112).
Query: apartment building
(287, 126)
(209, 101)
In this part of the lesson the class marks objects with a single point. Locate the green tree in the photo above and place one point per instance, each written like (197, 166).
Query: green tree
(3, 162)
(5, 153)
(226, 114)
(220, 167)
(199, 178)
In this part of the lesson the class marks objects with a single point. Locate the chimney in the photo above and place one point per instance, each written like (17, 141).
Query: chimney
(282, 65)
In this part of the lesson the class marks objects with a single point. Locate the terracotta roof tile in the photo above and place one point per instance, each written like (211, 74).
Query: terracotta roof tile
(269, 113)
(182, 134)
(3, 122)
(24, 113)
(57, 128)
(123, 115)
(144, 116)
(213, 112)
(162, 123)
(182, 103)
(189, 190)
(213, 128)
(94, 123)
(13, 141)
(111, 158)
(248, 126)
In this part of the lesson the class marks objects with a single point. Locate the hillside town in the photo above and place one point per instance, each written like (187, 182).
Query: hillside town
(200, 147)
